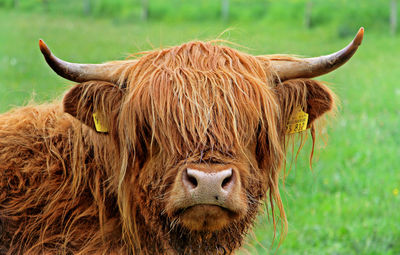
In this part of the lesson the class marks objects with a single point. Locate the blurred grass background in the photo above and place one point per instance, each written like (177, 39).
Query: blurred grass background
(349, 203)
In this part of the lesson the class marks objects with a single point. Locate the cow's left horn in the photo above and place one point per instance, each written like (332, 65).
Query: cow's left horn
(313, 67)
(79, 72)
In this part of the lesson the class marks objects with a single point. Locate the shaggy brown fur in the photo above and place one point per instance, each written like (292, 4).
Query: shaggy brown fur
(66, 189)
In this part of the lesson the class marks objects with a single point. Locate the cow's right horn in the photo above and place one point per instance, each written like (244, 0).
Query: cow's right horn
(80, 72)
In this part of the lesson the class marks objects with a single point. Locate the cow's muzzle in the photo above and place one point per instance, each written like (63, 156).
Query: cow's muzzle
(208, 198)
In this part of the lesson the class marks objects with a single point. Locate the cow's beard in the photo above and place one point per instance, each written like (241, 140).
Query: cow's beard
(163, 233)
(224, 241)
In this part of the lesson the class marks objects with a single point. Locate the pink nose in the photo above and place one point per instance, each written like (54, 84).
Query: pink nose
(209, 187)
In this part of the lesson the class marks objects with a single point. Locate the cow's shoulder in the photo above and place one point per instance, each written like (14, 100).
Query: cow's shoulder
(32, 132)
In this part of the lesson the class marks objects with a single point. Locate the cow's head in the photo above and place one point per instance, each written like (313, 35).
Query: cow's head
(197, 134)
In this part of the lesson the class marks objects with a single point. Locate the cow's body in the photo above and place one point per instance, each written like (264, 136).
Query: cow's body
(195, 141)
(37, 194)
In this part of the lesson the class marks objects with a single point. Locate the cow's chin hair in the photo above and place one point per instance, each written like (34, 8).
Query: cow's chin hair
(223, 238)
(205, 217)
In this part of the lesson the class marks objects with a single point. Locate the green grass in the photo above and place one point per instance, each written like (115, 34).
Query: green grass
(346, 204)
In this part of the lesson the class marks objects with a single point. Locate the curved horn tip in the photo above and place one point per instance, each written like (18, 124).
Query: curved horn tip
(43, 48)
(359, 37)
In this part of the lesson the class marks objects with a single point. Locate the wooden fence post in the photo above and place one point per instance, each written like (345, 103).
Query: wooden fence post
(393, 17)
(145, 10)
(87, 7)
(308, 14)
(225, 9)
(45, 5)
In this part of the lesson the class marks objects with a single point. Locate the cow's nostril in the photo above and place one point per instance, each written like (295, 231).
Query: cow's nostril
(190, 180)
(193, 181)
(227, 181)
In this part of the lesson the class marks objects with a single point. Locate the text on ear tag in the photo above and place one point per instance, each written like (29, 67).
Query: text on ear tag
(99, 123)
(297, 122)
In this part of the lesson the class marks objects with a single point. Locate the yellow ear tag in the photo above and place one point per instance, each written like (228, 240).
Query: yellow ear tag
(99, 123)
(297, 122)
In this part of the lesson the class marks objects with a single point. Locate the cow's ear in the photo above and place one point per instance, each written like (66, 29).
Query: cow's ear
(312, 96)
(95, 103)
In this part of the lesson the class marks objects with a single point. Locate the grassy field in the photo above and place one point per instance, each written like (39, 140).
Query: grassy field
(348, 204)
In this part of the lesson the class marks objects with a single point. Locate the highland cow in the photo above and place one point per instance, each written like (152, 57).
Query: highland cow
(170, 153)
